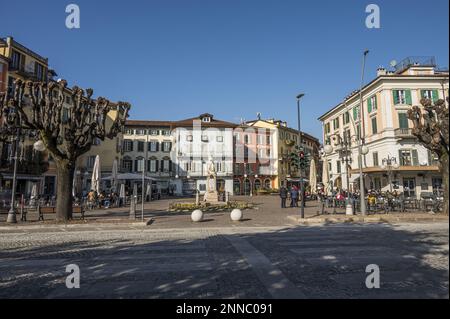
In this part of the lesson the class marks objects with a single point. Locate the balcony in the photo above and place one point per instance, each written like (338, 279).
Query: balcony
(404, 133)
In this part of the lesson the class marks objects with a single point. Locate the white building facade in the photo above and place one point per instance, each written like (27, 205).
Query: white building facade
(387, 131)
(197, 141)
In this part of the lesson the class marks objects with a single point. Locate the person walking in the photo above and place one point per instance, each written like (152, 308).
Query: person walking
(294, 197)
(283, 196)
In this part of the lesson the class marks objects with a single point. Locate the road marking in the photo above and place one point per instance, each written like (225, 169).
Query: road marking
(272, 277)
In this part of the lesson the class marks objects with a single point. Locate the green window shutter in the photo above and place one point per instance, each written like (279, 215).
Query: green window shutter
(400, 158)
(395, 95)
(369, 105)
(415, 158)
(435, 96)
(374, 126)
(429, 157)
(408, 97)
(355, 113)
(403, 120)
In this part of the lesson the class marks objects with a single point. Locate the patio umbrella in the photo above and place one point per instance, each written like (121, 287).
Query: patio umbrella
(34, 191)
(325, 177)
(74, 185)
(95, 181)
(114, 174)
(122, 191)
(148, 190)
(313, 177)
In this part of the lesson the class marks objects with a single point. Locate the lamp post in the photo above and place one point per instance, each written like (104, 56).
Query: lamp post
(12, 211)
(361, 144)
(389, 164)
(302, 186)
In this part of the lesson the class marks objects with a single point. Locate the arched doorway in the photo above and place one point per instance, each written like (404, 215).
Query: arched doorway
(257, 185)
(247, 187)
(237, 187)
(267, 184)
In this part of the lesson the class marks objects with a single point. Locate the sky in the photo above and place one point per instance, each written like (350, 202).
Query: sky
(174, 59)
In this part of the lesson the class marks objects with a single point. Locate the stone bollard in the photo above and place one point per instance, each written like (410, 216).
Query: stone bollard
(197, 197)
(227, 197)
(197, 216)
(236, 215)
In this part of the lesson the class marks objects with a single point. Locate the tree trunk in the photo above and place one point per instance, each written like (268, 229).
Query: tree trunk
(444, 163)
(64, 190)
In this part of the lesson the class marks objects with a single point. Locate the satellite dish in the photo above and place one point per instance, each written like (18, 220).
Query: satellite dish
(393, 63)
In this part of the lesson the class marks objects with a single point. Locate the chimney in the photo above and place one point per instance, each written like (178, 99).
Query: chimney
(381, 71)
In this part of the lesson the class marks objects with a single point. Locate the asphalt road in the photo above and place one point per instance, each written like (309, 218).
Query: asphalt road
(227, 262)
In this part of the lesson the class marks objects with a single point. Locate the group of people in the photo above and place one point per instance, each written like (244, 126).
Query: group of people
(94, 199)
(292, 193)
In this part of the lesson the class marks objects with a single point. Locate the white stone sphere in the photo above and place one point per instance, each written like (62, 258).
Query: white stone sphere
(236, 215)
(39, 146)
(197, 215)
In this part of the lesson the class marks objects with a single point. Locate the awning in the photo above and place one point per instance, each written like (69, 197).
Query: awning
(23, 177)
(130, 177)
(297, 180)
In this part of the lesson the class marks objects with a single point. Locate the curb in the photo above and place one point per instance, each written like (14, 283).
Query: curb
(355, 219)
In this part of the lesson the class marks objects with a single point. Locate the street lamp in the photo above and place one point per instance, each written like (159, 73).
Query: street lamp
(361, 144)
(302, 186)
(389, 164)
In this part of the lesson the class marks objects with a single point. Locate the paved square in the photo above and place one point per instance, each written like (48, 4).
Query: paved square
(123, 261)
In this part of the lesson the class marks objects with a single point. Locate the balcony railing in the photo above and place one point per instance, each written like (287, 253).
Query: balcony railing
(404, 132)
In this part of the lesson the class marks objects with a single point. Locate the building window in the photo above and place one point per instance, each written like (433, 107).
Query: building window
(409, 187)
(408, 157)
(204, 138)
(374, 125)
(152, 166)
(127, 145)
(90, 161)
(153, 146)
(140, 132)
(219, 139)
(127, 165)
(432, 95)
(402, 97)
(39, 71)
(327, 128)
(433, 159)
(167, 146)
(336, 123)
(346, 118)
(403, 120)
(189, 138)
(165, 133)
(17, 60)
(356, 113)
(139, 164)
(206, 119)
(338, 166)
(128, 131)
(372, 104)
(140, 146)
(154, 132)
(375, 158)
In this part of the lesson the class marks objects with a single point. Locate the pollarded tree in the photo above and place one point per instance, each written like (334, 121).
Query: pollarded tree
(66, 131)
(431, 129)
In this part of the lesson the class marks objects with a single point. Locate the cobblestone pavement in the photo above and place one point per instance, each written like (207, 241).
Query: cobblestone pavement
(240, 262)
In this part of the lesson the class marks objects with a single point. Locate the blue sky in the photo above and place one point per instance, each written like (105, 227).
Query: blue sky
(174, 59)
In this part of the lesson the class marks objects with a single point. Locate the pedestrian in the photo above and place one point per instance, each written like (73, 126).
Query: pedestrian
(294, 197)
(283, 196)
